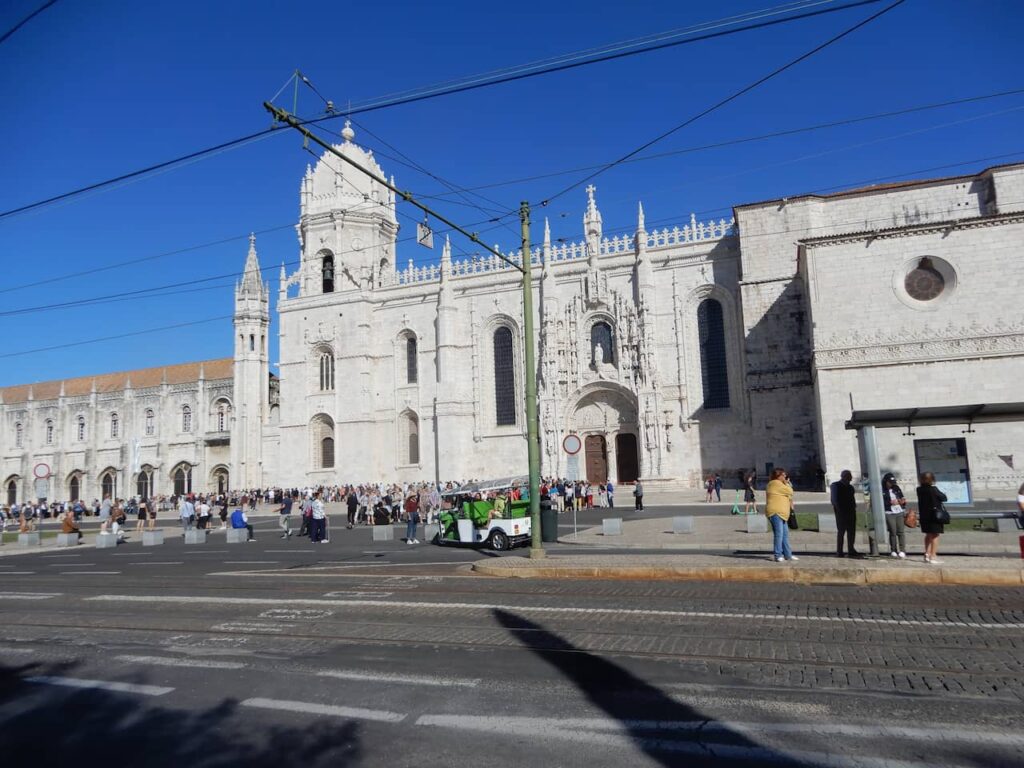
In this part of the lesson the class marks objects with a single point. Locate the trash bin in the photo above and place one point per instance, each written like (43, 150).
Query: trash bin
(548, 521)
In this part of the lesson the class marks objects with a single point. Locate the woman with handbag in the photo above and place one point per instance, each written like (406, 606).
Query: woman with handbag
(778, 508)
(933, 515)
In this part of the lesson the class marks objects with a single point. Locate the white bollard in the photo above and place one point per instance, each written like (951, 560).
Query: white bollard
(195, 536)
(30, 539)
(237, 535)
(612, 526)
(106, 540)
(152, 538)
(67, 539)
(683, 524)
(827, 523)
(757, 524)
(383, 533)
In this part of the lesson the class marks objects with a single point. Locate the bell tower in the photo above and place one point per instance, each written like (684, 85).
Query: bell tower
(251, 374)
(347, 224)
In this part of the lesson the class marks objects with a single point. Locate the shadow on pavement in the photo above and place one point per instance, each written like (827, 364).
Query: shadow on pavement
(50, 725)
(645, 713)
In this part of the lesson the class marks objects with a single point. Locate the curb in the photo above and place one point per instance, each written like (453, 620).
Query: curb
(975, 577)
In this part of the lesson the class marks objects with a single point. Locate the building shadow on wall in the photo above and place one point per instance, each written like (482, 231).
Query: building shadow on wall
(645, 714)
(47, 725)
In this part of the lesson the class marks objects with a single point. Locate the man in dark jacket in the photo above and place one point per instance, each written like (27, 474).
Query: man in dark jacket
(844, 503)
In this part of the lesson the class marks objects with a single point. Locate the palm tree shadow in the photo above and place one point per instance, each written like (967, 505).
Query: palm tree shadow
(643, 711)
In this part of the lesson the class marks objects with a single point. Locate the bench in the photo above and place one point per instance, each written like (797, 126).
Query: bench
(1002, 519)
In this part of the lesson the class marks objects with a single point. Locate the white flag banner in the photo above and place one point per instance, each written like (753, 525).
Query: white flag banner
(424, 235)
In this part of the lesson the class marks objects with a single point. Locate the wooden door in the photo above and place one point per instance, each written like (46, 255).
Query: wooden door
(597, 459)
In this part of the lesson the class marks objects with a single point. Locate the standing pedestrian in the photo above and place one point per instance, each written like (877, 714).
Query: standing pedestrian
(718, 486)
(186, 513)
(749, 499)
(141, 515)
(709, 488)
(412, 509)
(844, 504)
(285, 516)
(932, 514)
(895, 505)
(351, 505)
(778, 507)
(317, 520)
(638, 496)
(611, 495)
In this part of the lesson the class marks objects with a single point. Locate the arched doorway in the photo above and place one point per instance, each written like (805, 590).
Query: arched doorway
(75, 488)
(627, 464)
(144, 482)
(605, 418)
(221, 480)
(12, 491)
(108, 484)
(596, 453)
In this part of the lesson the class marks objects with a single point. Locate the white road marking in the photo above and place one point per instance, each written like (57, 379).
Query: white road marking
(615, 733)
(205, 551)
(56, 557)
(89, 573)
(304, 707)
(19, 650)
(434, 606)
(28, 595)
(250, 626)
(103, 685)
(167, 661)
(19, 573)
(292, 614)
(386, 677)
(132, 554)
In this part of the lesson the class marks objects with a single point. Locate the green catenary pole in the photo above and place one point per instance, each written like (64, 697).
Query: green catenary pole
(530, 366)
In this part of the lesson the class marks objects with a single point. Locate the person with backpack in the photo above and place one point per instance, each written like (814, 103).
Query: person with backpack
(307, 516)
(285, 513)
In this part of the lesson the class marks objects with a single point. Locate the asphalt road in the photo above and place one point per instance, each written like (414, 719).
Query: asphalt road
(355, 653)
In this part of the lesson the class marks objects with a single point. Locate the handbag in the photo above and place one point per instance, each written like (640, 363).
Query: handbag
(792, 521)
(910, 518)
(941, 514)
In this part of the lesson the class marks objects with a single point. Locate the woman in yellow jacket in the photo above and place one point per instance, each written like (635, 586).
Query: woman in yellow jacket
(778, 507)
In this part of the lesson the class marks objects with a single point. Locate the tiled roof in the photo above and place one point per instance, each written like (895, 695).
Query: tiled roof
(181, 373)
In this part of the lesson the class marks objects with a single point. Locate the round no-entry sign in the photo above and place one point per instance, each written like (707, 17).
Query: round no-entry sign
(41, 470)
(572, 444)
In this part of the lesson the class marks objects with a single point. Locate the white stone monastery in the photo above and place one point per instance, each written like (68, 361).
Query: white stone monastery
(715, 347)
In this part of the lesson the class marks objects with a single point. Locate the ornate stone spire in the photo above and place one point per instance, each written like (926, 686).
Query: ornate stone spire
(641, 234)
(251, 280)
(446, 260)
(592, 224)
(546, 249)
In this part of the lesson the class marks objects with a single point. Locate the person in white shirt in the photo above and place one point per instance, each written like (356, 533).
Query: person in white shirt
(186, 513)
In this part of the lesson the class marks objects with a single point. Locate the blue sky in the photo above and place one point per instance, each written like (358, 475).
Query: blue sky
(94, 89)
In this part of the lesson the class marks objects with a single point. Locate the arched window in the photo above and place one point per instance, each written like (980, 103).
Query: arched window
(714, 370)
(222, 418)
(49, 432)
(602, 347)
(80, 428)
(19, 435)
(144, 483)
(326, 372)
(504, 378)
(328, 273)
(12, 492)
(150, 422)
(413, 440)
(252, 342)
(327, 453)
(182, 478)
(74, 488)
(411, 364)
(186, 419)
(321, 428)
(114, 425)
(108, 484)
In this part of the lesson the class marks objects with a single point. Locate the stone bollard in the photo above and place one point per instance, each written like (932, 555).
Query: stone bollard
(30, 539)
(612, 526)
(827, 523)
(237, 535)
(152, 538)
(195, 536)
(683, 524)
(383, 533)
(757, 524)
(106, 540)
(1005, 525)
(67, 539)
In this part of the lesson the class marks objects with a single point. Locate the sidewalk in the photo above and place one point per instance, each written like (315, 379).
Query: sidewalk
(976, 558)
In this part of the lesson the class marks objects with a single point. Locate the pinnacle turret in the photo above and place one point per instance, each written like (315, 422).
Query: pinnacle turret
(252, 282)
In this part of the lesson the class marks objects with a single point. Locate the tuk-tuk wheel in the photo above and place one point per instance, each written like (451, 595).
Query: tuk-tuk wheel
(436, 539)
(499, 541)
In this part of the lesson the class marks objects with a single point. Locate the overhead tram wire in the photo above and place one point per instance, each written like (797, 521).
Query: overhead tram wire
(26, 20)
(742, 140)
(417, 97)
(723, 102)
